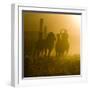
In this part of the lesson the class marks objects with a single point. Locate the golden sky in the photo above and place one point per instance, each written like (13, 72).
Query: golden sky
(55, 22)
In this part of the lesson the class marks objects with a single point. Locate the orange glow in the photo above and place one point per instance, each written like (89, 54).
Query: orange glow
(55, 22)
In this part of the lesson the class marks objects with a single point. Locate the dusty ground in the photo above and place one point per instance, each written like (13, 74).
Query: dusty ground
(52, 66)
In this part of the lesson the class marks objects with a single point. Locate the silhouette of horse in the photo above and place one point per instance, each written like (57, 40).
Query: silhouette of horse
(64, 47)
(49, 44)
(58, 45)
(45, 46)
(62, 44)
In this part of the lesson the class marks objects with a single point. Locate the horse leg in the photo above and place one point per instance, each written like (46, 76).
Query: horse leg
(56, 54)
(66, 52)
(45, 52)
(49, 52)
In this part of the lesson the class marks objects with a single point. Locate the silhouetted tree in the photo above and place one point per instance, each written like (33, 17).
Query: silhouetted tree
(39, 44)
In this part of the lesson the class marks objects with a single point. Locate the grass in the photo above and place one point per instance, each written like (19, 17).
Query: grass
(52, 66)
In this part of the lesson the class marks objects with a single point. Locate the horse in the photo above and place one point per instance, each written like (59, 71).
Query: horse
(58, 45)
(44, 46)
(49, 44)
(62, 45)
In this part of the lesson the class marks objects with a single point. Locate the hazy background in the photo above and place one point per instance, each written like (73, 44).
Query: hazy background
(55, 22)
